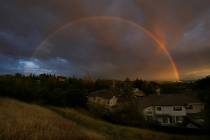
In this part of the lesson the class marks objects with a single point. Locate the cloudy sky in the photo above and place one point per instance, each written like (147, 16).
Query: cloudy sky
(151, 39)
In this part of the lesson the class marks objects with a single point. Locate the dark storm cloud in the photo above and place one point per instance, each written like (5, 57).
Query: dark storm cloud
(182, 24)
(8, 64)
(22, 28)
(192, 51)
(96, 52)
(172, 16)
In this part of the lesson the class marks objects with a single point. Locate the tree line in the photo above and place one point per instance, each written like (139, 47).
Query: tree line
(72, 91)
(62, 91)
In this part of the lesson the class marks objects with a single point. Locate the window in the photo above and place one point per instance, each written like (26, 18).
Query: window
(158, 108)
(177, 108)
(179, 119)
(189, 107)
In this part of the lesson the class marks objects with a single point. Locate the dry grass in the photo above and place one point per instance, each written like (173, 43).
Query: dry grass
(21, 121)
(117, 132)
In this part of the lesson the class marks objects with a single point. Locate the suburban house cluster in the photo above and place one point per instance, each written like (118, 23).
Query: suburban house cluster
(112, 99)
(166, 109)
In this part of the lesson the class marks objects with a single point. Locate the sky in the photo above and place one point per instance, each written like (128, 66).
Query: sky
(148, 39)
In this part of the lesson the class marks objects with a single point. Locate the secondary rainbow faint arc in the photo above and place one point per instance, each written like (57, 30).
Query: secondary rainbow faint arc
(160, 44)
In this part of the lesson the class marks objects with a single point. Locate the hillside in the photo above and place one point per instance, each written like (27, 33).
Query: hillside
(19, 121)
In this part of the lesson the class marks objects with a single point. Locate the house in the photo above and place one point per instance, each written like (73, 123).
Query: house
(105, 98)
(88, 78)
(138, 93)
(61, 78)
(170, 109)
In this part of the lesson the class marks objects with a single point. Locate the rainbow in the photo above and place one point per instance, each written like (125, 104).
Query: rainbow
(159, 43)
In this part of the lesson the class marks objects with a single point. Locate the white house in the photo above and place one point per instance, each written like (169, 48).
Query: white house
(61, 78)
(106, 98)
(138, 93)
(170, 109)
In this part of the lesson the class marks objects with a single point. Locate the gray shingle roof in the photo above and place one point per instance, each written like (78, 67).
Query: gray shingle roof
(107, 94)
(167, 100)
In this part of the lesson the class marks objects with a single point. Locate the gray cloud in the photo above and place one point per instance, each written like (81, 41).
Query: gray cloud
(106, 49)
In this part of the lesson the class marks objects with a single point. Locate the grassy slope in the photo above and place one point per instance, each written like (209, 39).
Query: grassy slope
(19, 121)
(117, 132)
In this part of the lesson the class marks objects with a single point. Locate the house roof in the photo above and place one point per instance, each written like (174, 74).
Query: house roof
(167, 100)
(139, 93)
(107, 94)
